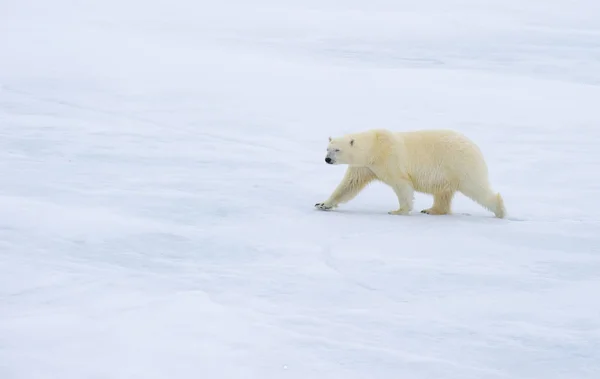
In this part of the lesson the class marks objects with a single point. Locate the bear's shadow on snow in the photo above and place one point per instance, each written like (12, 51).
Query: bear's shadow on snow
(462, 216)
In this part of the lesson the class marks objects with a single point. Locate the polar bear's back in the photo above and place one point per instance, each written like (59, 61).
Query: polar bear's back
(439, 160)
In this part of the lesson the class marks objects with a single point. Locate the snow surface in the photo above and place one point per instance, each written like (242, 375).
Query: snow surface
(160, 160)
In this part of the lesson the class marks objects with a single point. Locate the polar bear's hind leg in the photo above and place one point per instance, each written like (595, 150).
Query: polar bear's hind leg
(441, 203)
(484, 196)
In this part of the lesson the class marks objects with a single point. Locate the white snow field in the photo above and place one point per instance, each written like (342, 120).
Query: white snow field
(160, 161)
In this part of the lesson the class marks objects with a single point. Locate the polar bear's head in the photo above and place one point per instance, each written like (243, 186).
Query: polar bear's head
(361, 149)
(341, 151)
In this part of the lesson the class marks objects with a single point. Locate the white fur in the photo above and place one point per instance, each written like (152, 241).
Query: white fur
(436, 162)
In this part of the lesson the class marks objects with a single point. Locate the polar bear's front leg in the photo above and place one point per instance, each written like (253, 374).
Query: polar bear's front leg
(405, 193)
(354, 181)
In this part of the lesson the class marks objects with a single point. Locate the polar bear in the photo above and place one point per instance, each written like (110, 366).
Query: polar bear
(436, 162)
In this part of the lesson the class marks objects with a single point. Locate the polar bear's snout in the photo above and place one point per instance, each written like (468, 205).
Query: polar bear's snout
(331, 156)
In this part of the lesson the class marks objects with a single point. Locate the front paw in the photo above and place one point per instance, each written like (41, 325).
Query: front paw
(401, 211)
(324, 206)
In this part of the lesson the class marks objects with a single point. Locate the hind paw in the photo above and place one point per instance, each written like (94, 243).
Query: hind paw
(433, 211)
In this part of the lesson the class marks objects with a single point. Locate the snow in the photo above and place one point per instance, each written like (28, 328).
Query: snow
(160, 162)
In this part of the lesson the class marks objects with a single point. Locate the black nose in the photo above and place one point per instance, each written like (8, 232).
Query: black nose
(328, 160)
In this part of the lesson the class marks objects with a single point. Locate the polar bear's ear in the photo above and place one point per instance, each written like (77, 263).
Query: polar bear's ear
(329, 139)
(351, 142)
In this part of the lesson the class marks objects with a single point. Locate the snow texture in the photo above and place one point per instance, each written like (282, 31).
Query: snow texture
(160, 161)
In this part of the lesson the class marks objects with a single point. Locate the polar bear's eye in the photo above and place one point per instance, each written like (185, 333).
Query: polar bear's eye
(337, 150)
